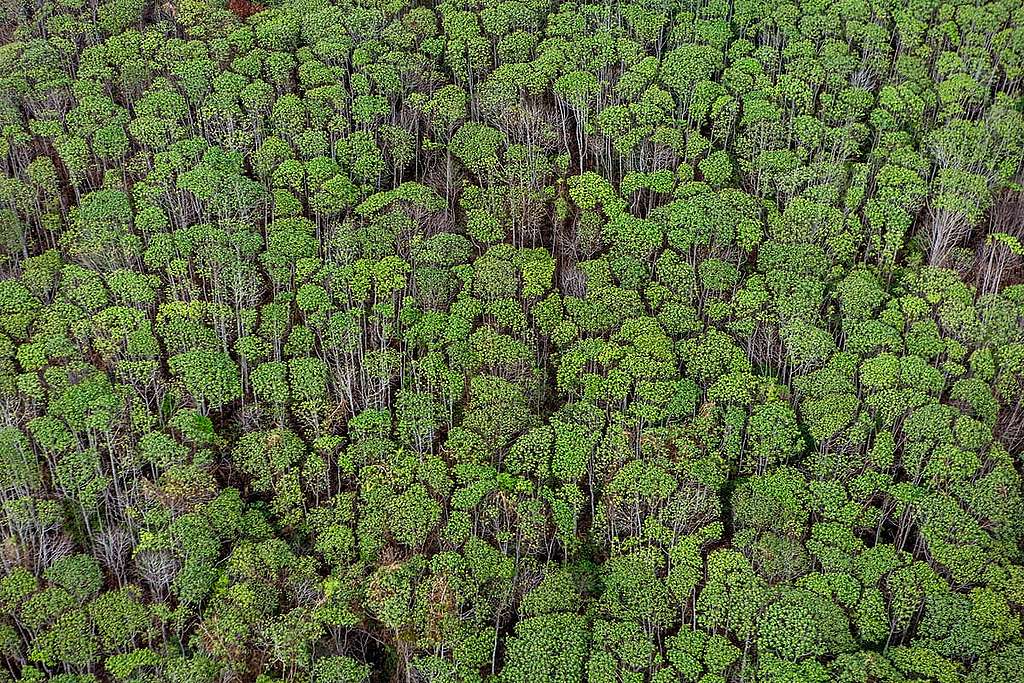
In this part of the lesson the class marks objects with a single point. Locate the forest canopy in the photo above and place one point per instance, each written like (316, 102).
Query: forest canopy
(511, 341)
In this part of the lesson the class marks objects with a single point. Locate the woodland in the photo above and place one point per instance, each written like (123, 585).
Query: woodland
(511, 341)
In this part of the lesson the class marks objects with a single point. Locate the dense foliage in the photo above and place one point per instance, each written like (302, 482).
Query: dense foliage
(511, 341)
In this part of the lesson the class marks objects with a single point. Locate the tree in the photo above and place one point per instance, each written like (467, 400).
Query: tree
(552, 647)
(211, 377)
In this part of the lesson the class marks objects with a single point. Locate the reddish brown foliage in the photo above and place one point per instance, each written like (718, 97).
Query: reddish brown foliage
(244, 8)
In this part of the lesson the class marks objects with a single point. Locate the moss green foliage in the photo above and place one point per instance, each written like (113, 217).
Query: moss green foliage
(501, 341)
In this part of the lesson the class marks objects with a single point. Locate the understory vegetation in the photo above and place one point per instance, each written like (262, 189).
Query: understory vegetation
(511, 341)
